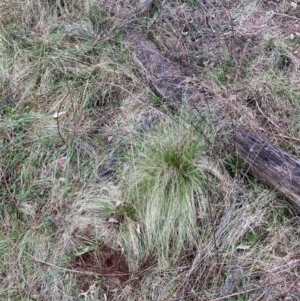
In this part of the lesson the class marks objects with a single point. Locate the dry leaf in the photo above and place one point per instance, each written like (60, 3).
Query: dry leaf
(113, 220)
(56, 115)
(243, 247)
(119, 204)
(294, 5)
(58, 163)
(63, 179)
(121, 247)
(110, 138)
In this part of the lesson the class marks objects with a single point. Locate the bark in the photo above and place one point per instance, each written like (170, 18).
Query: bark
(270, 163)
(261, 158)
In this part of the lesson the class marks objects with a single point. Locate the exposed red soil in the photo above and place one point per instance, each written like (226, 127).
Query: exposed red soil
(103, 261)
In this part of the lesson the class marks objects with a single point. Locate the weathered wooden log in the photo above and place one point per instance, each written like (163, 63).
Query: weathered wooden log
(270, 163)
(261, 158)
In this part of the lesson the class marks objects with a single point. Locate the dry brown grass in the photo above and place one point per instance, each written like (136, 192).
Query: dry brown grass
(66, 233)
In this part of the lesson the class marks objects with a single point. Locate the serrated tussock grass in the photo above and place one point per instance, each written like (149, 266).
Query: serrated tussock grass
(168, 177)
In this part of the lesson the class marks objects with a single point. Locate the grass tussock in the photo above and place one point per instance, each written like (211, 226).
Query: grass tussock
(169, 181)
(173, 216)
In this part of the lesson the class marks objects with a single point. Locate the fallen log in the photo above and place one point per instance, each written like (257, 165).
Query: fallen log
(263, 159)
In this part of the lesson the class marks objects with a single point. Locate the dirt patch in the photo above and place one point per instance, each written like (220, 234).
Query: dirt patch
(103, 261)
(111, 266)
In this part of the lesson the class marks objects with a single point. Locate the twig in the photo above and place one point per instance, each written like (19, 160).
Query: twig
(260, 110)
(42, 262)
(59, 107)
(286, 16)
(287, 137)
(57, 119)
(74, 271)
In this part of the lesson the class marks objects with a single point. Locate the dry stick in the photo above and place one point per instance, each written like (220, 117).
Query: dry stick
(286, 16)
(260, 110)
(287, 137)
(42, 262)
(57, 120)
(272, 122)
(74, 271)
(59, 107)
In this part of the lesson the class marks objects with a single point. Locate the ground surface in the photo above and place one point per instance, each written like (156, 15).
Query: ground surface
(106, 192)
